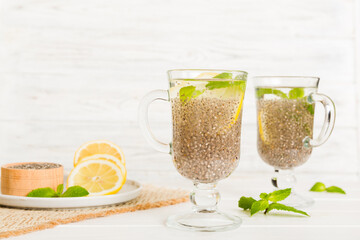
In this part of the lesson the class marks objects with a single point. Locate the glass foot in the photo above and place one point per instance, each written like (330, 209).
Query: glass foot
(204, 221)
(296, 200)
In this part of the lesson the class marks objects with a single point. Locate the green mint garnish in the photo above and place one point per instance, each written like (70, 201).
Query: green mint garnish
(296, 93)
(60, 189)
(262, 91)
(246, 202)
(320, 187)
(74, 191)
(224, 75)
(189, 92)
(249, 203)
(283, 207)
(258, 206)
(42, 192)
(279, 195)
(334, 189)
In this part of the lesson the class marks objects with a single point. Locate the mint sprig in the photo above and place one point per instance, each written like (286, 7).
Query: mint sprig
(255, 206)
(320, 187)
(74, 191)
(190, 92)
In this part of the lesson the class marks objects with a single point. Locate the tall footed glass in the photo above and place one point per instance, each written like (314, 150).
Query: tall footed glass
(206, 118)
(285, 117)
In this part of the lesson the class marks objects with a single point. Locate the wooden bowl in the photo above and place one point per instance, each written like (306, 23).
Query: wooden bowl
(18, 179)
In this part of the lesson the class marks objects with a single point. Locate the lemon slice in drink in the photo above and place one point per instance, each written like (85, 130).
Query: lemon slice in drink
(98, 176)
(262, 133)
(98, 147)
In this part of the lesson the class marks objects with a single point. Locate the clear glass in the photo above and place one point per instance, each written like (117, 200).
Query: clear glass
(285, 119)
(206, 118)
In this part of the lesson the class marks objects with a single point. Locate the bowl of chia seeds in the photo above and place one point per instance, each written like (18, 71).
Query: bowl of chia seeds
(21, 178)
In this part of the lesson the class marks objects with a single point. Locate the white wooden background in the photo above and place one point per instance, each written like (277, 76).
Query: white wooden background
(75, 70)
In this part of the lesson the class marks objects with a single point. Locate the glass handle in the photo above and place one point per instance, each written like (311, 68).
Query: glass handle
(144, 119)
(329, 120)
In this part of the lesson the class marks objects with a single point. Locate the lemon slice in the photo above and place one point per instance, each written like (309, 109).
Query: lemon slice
(207, 75)
(262, 134)
(108, 158)
(98, 147)
(98, 176)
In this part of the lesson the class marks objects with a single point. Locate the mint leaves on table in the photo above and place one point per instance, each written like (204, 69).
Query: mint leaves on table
(74, 191)
(320, 187)
(189, 92)
(249, 203)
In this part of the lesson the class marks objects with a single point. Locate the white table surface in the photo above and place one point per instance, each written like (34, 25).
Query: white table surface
(333, 216)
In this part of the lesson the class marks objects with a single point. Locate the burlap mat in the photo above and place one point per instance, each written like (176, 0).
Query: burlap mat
(14, 221)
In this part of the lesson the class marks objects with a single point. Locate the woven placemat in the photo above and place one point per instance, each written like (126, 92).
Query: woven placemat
(15, 221)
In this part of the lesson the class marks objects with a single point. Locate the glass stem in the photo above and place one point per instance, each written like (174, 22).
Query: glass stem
(284, 179)
(205, 197)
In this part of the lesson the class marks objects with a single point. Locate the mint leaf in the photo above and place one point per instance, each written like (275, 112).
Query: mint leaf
(260, 92)
(60, 189)
(246, 202)
(224, 75)
(75, 191)
(283, 207)
(42, 192)
(242, 85)
(264, 196)
(257, 206)
(217, 84)
(334, 189)
(189, 92)
(279, 195)
(318, 187)
(296, 93)
(310, 108)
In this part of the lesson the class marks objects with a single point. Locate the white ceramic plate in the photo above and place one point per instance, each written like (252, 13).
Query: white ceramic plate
(130, 190)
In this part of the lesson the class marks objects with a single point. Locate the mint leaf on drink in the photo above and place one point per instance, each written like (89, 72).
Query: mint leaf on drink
(246, 202)
(283, 207)
(260, 92)
(42, 192)
(279, 195)
(224, 75)
(296, 93)
(75, 191)
(334, 189)
(189, 92)
(60, 189)
(318, 187)
(257, 206)
(217, 84)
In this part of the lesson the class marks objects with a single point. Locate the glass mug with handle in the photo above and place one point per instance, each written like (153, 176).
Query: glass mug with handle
(285, 119)
(206, 121)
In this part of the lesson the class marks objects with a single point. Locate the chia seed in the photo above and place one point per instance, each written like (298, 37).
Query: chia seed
(35, 166)
(284, 125)
(206, 137)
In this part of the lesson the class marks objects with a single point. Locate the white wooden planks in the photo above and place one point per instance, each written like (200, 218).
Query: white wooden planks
(72, 71)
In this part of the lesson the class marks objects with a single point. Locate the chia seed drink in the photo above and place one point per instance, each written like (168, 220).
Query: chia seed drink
(284, 120)
(206, 128)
